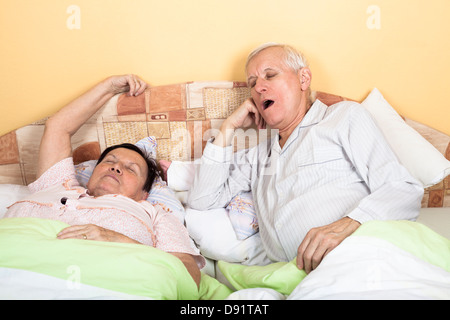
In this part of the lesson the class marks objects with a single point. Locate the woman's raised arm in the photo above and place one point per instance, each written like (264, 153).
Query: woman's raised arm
(59, 128)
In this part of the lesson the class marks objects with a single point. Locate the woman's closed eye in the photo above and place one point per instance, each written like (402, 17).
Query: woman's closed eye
(134, 169)
(110, 159)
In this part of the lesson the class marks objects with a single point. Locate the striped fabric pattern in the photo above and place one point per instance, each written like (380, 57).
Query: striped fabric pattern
(335, 164)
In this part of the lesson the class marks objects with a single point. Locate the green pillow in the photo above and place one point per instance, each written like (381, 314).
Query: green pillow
(211, 289)
(281, 276)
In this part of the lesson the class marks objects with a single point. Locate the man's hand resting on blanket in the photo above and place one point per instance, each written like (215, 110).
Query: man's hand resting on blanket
(320, 241)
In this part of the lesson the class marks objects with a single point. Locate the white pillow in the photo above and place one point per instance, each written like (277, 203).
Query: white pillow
(240, 210)
(213, 233)
(10, 193)
(414, 152)
(180, 174)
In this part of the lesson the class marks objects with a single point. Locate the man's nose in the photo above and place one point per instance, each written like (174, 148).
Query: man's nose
(260, 86)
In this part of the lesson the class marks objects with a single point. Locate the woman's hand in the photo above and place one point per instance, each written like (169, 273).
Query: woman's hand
(93, 232)
(127, 83)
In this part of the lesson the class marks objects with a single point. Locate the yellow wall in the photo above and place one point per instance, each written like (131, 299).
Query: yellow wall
(50, 54)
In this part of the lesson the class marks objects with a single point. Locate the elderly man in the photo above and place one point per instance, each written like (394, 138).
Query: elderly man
(328, 169)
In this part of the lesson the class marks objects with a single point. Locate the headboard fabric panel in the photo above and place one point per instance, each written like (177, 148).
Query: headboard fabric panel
(182, 117)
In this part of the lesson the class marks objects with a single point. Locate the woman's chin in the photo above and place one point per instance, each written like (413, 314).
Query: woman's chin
(101, 191)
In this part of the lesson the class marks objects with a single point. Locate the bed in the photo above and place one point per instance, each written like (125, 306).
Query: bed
(381, 260)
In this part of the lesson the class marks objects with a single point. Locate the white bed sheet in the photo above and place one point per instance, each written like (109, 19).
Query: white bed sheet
(27, 285)
(370, 268)
(365, 268)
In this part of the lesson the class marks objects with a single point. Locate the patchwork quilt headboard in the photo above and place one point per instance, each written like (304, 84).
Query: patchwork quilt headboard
(182, 117)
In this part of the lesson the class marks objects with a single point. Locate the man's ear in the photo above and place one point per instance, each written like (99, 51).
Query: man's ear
(305, 77)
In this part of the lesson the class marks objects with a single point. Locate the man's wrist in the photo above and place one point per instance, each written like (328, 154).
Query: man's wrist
(352, 224)
(226, 134)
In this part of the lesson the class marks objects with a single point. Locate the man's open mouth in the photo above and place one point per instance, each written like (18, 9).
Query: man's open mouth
(267, 103)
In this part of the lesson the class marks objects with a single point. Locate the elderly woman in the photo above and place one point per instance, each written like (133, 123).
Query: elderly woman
(328, 169)
(112, 207)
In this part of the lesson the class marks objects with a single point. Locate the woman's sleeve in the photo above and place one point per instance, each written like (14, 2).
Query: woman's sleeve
(62, 172)
(172, 236)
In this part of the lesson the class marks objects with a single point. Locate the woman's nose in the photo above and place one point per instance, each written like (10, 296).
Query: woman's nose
(116, 169)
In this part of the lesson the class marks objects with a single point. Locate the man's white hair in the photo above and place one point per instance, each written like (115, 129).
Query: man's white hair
(293, 58)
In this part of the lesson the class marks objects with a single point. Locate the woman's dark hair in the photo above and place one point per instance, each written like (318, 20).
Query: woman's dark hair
(153, 171)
